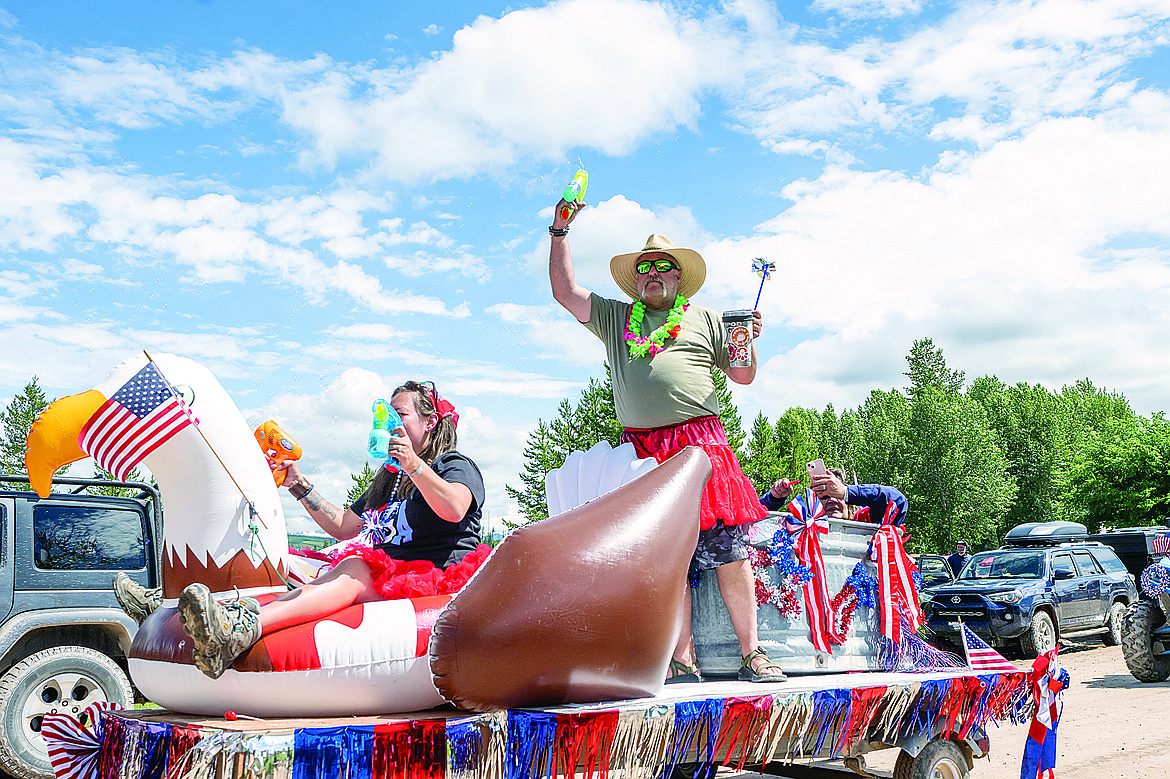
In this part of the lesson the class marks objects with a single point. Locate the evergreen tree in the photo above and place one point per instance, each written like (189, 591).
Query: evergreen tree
(576, 428)
(762, 463)
(15, 422)
(361, 482)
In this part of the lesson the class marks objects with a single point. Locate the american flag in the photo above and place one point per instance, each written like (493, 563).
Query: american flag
(1161, 544)
(980, 656)
(141, 416)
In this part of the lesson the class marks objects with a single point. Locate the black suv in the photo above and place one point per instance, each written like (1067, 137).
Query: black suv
(1047, 582)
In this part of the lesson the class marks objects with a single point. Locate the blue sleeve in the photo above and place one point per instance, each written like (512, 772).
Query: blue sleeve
(771, 503)
(877, 497)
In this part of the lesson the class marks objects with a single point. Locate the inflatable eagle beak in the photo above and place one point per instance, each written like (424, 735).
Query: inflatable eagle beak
(52, 441)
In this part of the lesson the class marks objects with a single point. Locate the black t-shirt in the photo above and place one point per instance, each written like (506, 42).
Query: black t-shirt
(420, 533)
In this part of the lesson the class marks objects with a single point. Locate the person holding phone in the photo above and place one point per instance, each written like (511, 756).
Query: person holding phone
(858, 502)
(662, 349)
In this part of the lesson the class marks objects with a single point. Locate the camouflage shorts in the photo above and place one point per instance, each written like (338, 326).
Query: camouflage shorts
(718, 546)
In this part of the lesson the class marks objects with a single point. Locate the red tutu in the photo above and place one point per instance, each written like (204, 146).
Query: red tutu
(396, 579)
(729, 494)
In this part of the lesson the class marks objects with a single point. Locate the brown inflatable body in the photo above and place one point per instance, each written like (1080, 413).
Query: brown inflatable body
(581, 607)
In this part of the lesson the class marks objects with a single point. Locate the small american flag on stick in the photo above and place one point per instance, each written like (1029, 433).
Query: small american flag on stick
(142, 415)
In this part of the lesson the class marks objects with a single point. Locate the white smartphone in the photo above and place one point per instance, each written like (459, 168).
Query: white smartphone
(816, 468)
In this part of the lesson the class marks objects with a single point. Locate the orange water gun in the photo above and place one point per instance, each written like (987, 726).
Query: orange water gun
(278, 447)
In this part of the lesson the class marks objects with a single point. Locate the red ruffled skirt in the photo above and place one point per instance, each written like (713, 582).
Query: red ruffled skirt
(729, 494)
(396, 579)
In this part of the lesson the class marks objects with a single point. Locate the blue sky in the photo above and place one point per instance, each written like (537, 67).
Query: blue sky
(319, 203)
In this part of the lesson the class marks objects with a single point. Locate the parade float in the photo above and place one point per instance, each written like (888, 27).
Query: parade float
(554, 652)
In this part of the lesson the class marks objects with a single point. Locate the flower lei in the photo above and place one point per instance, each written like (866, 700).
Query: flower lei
(655, 342)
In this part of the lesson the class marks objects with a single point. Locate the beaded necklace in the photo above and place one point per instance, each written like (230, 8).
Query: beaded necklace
(656, 341)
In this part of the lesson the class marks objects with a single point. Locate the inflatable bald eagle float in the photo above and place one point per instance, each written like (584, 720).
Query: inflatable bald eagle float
(579, 608)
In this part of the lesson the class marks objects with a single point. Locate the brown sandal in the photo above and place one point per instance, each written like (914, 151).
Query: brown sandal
(681, 673)
(749, 674)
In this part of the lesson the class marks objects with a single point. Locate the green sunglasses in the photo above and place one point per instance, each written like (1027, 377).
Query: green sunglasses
(662, 266)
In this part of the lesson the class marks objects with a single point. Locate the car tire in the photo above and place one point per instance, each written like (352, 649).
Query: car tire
(1137, 644)
(939, 759)
(1114, 622)
(1039, 637)
(61, 680)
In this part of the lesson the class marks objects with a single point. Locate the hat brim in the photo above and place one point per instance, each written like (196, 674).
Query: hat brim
(693, 270)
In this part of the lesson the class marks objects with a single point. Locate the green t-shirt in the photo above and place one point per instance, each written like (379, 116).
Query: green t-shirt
(672, 386)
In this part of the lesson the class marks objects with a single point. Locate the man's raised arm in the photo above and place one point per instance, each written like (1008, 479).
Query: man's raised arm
(565, 288)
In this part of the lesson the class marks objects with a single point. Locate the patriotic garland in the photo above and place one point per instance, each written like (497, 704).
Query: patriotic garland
(1156, 580)
(858, 590)
(73, 744)
(792, 575)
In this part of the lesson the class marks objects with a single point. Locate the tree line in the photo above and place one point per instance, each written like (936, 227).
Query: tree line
(974, 460)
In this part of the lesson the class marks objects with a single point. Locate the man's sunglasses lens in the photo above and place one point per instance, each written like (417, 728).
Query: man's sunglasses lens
(662, 266)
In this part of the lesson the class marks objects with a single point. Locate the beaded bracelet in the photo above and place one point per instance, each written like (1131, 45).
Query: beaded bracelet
(559, 232)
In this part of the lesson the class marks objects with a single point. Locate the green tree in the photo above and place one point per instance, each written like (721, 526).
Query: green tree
(884, 449)
(928, 368)
(1027, 421)
(959, 486)
(1122, 478)
(796, 436)
(762, 461)
(15, 422)
(577, 427)
(361, 482)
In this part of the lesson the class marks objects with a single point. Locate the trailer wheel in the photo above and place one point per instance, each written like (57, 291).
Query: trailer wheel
(940, 759)
(1141, 655)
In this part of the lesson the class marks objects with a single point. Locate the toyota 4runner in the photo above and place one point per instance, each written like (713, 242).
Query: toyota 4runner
(1047, 582)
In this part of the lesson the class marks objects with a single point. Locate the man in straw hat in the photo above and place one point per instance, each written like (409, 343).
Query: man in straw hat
(661, 350)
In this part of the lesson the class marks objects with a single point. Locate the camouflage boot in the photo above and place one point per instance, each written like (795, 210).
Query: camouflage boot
(136, 600)
(221, 631)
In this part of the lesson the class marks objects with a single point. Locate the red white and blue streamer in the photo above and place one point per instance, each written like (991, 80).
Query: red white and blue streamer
(807, 524)
(897, 594)
(1048, 682)
(75, 745)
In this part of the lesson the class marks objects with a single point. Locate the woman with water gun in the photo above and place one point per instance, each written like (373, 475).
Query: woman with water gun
(417, 525)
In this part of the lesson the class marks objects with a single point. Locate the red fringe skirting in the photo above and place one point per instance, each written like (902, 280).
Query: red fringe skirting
(729, 494)
(396, 579)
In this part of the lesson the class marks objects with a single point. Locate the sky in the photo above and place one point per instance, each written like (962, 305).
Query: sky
(321, 201)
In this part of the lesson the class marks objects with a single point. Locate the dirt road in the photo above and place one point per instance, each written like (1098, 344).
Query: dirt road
(1113, 726)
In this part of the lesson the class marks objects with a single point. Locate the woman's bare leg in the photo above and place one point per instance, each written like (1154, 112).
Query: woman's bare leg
(348, 583)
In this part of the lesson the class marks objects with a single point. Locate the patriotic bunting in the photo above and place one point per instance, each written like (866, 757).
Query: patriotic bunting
(639, 739)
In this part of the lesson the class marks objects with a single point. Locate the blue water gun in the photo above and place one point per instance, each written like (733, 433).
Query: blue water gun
(386, 419)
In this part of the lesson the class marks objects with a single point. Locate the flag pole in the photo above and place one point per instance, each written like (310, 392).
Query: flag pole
(251, 506)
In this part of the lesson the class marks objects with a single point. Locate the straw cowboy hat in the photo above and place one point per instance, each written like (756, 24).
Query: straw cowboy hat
(694, 270)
